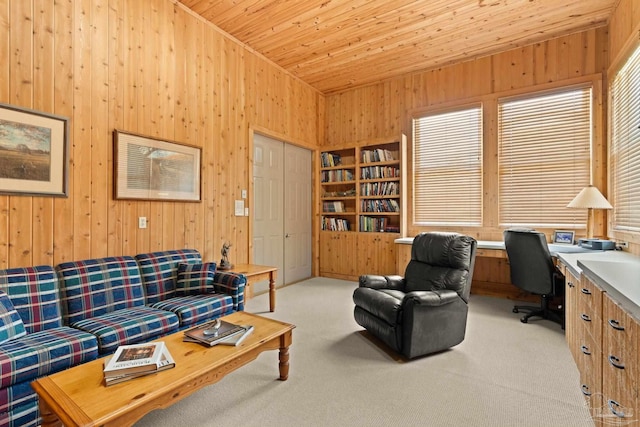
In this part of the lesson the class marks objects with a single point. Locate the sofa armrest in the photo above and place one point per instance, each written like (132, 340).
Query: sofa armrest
(232, 284)
(431, 298)
(374, 281)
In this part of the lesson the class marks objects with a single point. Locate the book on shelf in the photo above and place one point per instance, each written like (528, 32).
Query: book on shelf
(211, 333)
(330, 160)
(377, 155)
(334, 224)
(166, 362)
(133, 358)
(333, 206)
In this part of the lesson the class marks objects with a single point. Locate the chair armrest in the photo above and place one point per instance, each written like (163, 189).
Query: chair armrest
(381, 282)
(431, 298)
(232, 284)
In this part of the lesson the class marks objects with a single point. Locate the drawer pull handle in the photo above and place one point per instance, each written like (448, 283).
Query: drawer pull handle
(585, 390)
(616, 325)
(613, 407)
(585, 350)
(615, 362)
(585, 317)
(586, 291)
(570, 284)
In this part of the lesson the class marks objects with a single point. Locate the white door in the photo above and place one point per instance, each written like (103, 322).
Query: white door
(297, 213)
(268, 205)
(281, 209)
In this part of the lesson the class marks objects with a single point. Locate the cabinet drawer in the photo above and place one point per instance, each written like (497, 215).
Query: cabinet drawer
(619, 362)
(588, 309)
(589, 362)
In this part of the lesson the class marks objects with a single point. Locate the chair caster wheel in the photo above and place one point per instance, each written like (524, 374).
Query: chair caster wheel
(524, 320)
(515, 310)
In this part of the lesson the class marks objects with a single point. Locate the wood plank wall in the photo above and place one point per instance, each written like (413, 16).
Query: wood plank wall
(154, 68)
(386, 108)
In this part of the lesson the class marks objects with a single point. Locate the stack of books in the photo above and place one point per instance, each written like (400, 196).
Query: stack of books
(137, 360)
(218, 332)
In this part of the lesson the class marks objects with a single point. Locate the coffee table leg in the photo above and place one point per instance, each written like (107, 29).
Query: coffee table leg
(284, 363)
(49, 419)
(285, 342)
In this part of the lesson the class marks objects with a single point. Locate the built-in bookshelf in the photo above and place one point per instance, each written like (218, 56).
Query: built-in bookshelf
(361, 187)
(338, 182)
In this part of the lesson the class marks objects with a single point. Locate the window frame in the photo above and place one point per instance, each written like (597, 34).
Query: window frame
(476, 219)
(625, 230)
(516, 217)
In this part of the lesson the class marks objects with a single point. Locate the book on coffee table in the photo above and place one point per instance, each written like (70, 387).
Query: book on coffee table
(233, 340)
(212, 333)
(135, 358)
(238, 338)
(166, 362)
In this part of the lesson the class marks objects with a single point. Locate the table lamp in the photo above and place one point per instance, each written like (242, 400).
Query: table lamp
(590, 198)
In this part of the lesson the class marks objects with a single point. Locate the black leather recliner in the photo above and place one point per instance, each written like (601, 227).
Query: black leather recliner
(426, 310)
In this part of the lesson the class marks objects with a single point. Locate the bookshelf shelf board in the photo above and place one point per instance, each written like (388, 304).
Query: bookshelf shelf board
(381, 196)
(379, 213)
(338, 213)
(337, 182)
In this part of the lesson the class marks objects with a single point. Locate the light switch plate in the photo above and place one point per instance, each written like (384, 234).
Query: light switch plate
(142, 222)
(239, 207)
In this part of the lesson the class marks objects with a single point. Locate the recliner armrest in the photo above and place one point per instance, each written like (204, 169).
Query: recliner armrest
(374, 281)
(431, 298)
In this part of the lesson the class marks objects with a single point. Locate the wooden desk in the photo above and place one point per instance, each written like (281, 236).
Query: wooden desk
(256, 273)
(491, 275)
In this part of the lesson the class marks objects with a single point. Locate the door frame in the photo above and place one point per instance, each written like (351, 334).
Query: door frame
(315, 228)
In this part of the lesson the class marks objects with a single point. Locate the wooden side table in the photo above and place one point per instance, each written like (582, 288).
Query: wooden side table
(256, 273)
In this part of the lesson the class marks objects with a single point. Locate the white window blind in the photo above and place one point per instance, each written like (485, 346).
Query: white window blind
(544, 158)
(625, 145)
(447, 168)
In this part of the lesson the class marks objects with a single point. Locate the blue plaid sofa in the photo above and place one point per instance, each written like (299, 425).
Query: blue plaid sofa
(55, 318)
(33, 340)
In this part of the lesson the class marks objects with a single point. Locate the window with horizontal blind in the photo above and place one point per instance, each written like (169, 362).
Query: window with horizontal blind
(625, 145)
(544, 144)
(447, 168)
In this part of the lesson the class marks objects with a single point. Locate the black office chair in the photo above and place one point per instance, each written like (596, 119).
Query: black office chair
(533, 270)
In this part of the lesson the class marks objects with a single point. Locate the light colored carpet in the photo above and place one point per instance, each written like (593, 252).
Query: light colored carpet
(505, 373)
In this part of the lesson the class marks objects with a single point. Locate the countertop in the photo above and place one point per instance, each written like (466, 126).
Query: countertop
(554, 248)
(615, 272)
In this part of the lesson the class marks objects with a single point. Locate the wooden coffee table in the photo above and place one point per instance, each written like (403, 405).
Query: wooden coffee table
(78, 396)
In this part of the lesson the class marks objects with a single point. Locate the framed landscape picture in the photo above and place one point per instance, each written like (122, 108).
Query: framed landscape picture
(33, 152)
(147, 168)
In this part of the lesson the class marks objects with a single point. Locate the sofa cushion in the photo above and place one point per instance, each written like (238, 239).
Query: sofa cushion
(43, 353)
(195, 279)
(99, 286)
(11, 325)
(194, 309)
(34, 293)
(128, 326)
(160, 269)
(25, 415)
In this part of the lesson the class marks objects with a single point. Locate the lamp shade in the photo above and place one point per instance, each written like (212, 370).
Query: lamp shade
(590, 197)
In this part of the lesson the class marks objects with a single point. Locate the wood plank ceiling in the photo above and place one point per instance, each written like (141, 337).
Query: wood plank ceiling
(334, 45)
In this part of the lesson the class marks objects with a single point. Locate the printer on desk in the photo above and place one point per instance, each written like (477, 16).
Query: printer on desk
(597, 244)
